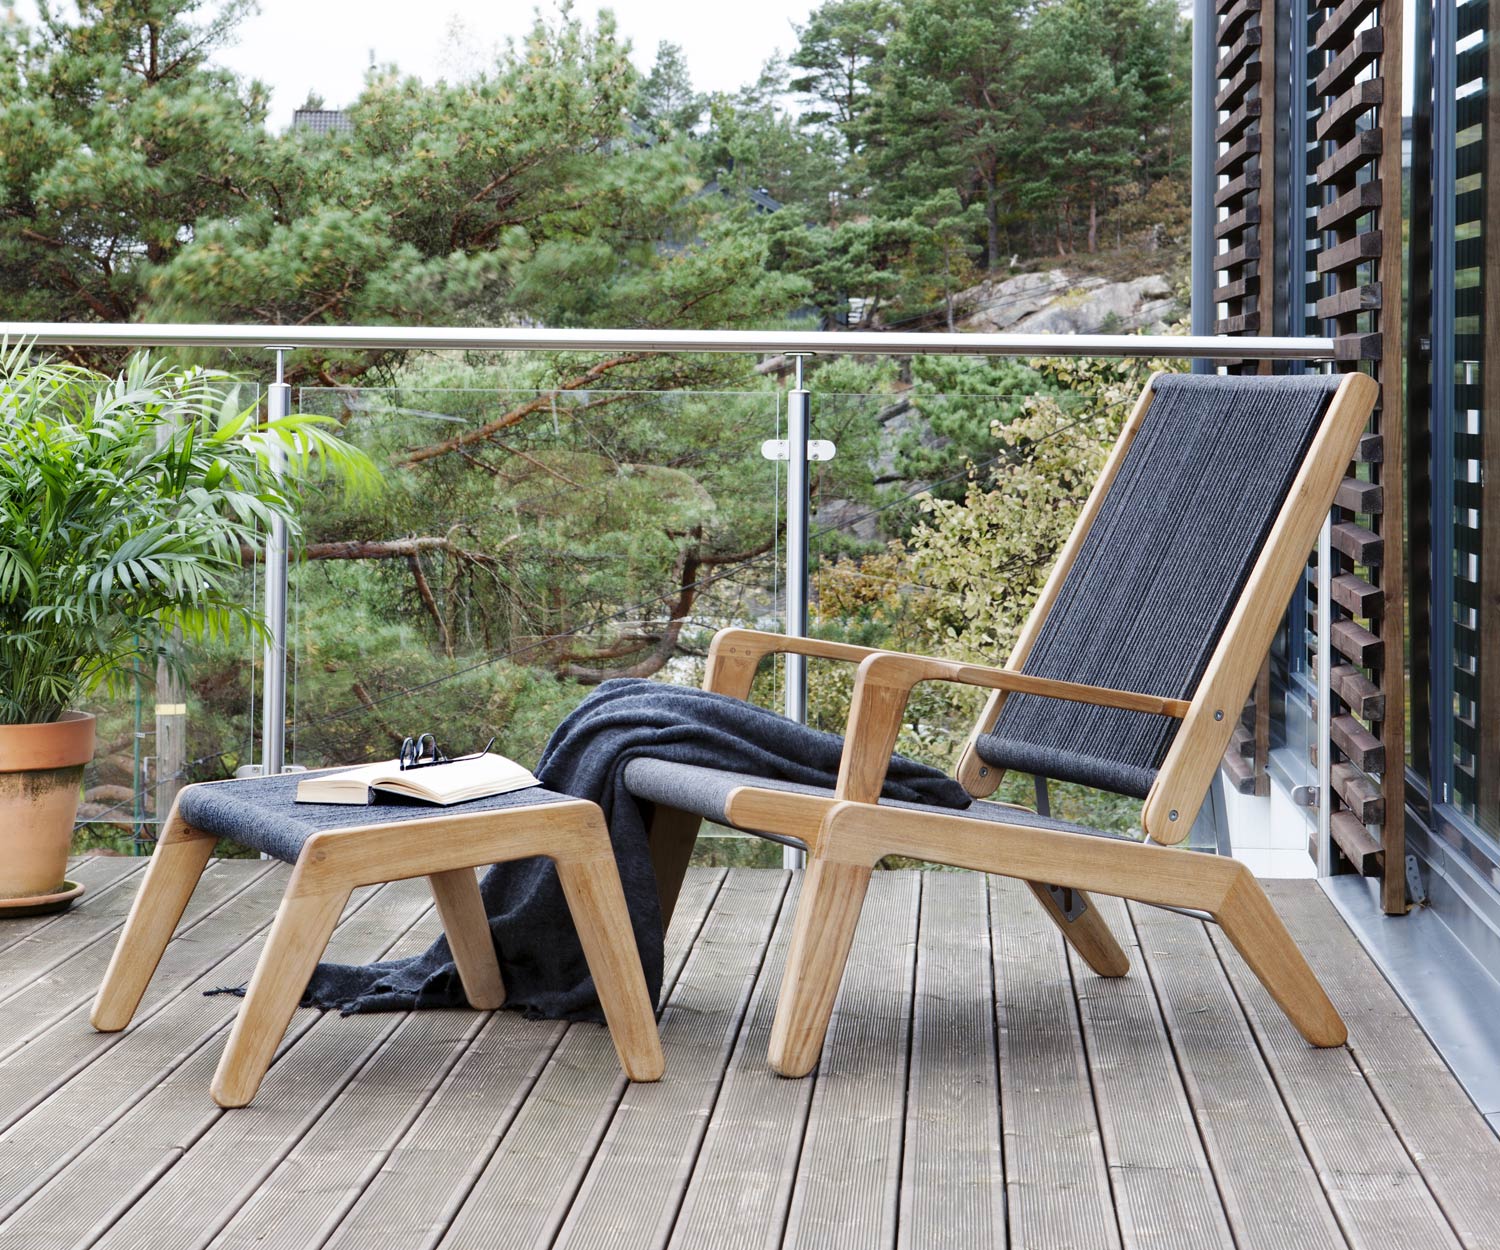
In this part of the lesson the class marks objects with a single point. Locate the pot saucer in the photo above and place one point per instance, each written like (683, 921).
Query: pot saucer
(40, 904)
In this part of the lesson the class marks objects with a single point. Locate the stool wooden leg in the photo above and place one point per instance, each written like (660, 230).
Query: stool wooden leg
(592, 887)
(462, 912)
(174, 870)
(304, 922)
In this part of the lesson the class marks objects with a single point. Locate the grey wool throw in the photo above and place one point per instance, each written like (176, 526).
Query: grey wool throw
(540, 956)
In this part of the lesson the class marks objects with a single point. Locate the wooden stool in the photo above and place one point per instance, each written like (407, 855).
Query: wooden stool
(334, 849)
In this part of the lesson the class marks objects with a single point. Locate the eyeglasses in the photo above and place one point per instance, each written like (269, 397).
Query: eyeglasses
(422, 752)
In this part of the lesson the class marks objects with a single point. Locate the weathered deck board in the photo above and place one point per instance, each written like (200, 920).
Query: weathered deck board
(634, 1187)
(126, 1187)
(100, 874)
(1057, 1182)
(742, 1181)
(979, 1088)
(952, 1181)
(1269, 1188)
(1456, 1154)
(1164, 1189)
(432, 1170)
(1374, 1187)
(848, 1180)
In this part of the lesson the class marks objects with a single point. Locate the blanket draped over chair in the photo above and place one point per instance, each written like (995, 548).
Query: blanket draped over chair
(540, 957)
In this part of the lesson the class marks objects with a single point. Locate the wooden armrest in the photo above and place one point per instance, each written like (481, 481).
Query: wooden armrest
(884, 684)
(735, 654)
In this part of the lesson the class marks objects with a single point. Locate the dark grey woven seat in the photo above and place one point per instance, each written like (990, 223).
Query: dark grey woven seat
(705, 792)
(1163, 565)
(262, 813)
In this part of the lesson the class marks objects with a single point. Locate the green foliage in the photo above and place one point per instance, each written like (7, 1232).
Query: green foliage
(123, 506)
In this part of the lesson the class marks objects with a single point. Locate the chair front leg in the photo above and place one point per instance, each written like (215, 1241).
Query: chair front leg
(833, 894)
(299, 935)
(175, 867)
(1257, 932)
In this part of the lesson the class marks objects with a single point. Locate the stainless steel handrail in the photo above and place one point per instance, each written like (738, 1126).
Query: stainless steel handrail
(864, 343)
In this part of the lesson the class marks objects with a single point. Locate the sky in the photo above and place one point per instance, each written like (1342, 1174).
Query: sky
(297, 46)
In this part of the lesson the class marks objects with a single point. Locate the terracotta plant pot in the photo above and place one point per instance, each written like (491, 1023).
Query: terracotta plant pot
(41, 770)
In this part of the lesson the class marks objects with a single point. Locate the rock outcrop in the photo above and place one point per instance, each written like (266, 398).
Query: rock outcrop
(1057, 302)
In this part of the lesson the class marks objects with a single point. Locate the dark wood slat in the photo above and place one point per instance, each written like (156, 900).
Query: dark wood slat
(1357, 54)
(1247, 77)
(1361, 795)
(1361, 247)
(1237, 256)
(1338, 121)
(1362, 696)
(1239, 52)
(1244, 150)
(1354, 642)
(1359, 347)
(1238, 120)
(1241, 323)
(1371, 449)
(1360, 849)
(1357, 595)
(1350, 206)
(1358, 299)
(1240, 770)
(1238, 12)
(1361, 545)
(1365, 751)
(1348, 158)
(1239, 289)
(1235, 188)
(1359, 496)
(1235, 222)
(1343, 19)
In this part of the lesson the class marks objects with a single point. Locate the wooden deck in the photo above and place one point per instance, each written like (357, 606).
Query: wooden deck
(977, 1091)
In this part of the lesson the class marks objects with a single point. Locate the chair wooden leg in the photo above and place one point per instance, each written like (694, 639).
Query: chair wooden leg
(672, 837)
(461, 910)
(597, 903)
(1088, 933)
(1252, 925)
(174, 870)
(833, 894)
(304, 922)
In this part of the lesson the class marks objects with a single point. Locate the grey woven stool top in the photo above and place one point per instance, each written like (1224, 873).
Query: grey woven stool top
(262, 813)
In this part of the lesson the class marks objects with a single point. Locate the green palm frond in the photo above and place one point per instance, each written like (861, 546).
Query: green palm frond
(124, 505)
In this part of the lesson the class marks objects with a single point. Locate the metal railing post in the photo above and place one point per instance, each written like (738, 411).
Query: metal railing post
(273, 710)
(798, 518)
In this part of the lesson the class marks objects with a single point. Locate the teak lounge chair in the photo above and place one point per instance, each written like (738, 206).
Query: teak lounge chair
(1129, 676)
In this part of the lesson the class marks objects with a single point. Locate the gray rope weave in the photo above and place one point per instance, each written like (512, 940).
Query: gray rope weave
(1162, 567)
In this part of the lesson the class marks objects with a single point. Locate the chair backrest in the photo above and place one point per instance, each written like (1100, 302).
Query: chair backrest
(1157, 568)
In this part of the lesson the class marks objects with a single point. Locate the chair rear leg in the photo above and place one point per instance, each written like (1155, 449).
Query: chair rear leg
(591, 884)
(175, 867)
(672, 837)
(1252, 925)
(461, 910)
(1088, 932)
(304, 923)
(833, 893)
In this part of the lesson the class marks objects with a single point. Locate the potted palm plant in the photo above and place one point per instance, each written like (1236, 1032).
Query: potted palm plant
(125, 504)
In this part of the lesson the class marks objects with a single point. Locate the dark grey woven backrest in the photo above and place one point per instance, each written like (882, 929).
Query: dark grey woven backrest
(1152, 588)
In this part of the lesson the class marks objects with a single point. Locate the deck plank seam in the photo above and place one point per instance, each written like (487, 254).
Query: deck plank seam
(1341, 1213)
(110, 932)
(315, 1112)
(443, 1227)
(1008, 1229)
(143, 1014)
(1183, 1079)
(1094, 1098)
(740, 1028)
(914, 981)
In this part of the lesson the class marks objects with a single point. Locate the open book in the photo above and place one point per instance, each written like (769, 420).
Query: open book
(458, 782)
